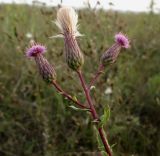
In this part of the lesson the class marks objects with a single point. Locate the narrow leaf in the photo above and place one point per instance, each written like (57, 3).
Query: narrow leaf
(105, 116)
(78, 109)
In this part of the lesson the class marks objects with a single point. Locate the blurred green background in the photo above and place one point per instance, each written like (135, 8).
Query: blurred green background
(36, 121)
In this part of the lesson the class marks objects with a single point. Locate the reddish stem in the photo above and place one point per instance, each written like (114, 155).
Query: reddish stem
(105, 143)
(59, 89)
(98, 73)
(94, 113)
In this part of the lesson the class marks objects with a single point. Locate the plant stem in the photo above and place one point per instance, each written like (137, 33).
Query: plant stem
(94, 113)
(98, 73)
(88, 97)
(59, 89)
(105, 142)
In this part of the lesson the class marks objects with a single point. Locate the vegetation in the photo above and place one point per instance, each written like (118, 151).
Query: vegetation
(35, 121)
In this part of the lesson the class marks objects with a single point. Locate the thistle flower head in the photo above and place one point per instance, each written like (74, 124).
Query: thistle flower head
(122, 40)
(35, 49)
(46, 70)
(110, 55)
(67, 20)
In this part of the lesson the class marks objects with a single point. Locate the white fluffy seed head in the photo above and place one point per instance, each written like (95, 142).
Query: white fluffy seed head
(67, 20)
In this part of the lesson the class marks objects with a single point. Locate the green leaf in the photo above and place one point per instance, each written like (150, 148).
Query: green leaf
(92, 87)
(73, 107)
(78, 109)
(113, 145)
(104, 118)
(75, 98)
(104, 153)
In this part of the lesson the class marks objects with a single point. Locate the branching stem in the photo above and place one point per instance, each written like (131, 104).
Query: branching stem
(96, 76)
(93, 111)
(69, 97)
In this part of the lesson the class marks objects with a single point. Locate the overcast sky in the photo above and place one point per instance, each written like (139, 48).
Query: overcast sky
(124, 5)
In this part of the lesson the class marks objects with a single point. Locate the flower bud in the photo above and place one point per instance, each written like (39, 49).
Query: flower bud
(46, 70)
(110, 56)
(67, 20)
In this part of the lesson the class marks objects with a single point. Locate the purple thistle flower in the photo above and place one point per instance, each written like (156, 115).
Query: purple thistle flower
(46, 70)
(122, 40)
(35, 49)
(110, 55)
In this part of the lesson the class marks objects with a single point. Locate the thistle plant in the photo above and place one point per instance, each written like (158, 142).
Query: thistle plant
(67, 20)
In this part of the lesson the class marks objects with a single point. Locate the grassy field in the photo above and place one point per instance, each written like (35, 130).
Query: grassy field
(36, 121)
